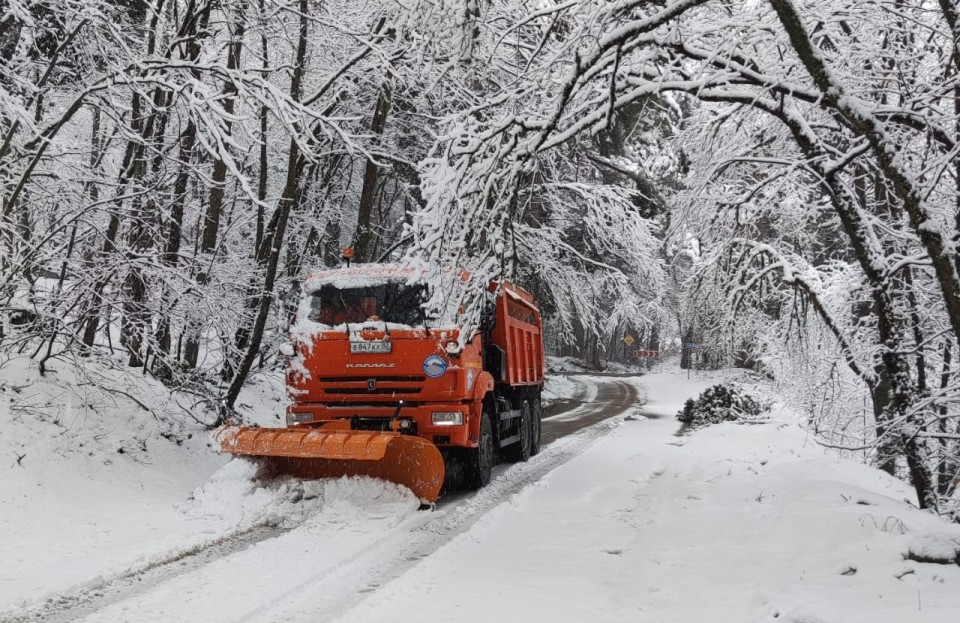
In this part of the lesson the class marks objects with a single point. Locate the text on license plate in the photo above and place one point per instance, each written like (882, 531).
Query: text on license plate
(371, 347)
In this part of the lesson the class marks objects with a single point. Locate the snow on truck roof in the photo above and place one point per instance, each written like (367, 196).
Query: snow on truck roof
(518, 294)
(369, 275)
(363, 276)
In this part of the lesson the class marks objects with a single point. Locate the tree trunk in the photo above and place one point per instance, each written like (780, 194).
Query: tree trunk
(131, 168)
(365, 237)
(269, 254)
(262, 173)
(949, 461)
(211, 222)
(171, 256)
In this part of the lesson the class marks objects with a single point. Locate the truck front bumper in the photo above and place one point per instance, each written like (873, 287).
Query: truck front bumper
(415, 419)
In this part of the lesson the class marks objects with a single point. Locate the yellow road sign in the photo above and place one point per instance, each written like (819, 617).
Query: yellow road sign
(629, 340)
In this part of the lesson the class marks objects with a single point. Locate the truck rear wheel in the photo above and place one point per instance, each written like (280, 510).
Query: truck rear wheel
(536, 422)
(521, 450)
(479, 460)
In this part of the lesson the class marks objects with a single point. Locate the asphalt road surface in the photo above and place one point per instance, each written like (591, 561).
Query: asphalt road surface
(614, 397)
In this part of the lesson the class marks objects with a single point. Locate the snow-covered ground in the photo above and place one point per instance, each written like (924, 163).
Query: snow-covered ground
(104, 475)
(557, 388)
(95, 485)
(623, 521)
(579, 366)
(732, 523)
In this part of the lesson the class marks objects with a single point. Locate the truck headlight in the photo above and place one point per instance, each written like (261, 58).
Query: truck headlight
(298, 417)
(447, 418)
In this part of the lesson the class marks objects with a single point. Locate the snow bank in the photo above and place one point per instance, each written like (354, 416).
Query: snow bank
(939, 547)
(97, 480)
(574, 365)
(235, 497)
(557, 388)
(565, 364)
(96, 472)
(669, 389)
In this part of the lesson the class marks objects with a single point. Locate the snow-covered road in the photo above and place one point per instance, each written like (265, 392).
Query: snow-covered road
(354, 535)
(623, 520)
(729, 524)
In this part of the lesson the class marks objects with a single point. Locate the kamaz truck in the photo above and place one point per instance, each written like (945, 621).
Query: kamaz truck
(377, 389)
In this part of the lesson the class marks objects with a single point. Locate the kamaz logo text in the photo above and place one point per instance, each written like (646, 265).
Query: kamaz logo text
(371, 365)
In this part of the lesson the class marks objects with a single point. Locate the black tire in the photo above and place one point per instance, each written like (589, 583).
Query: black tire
(520, 451)
(479, 460)
(453, 466)
(537, 425)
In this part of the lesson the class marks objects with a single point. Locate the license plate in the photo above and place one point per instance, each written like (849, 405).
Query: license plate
(371, 347)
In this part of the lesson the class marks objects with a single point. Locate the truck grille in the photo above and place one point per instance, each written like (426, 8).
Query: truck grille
(372, 385)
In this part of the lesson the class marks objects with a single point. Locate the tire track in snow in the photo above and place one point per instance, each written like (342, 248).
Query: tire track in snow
(454, 517)
(70, 607)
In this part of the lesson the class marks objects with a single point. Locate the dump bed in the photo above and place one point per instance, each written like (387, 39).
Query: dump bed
(518, 333)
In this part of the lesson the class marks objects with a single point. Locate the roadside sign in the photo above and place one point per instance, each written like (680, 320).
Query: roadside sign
(629, 340)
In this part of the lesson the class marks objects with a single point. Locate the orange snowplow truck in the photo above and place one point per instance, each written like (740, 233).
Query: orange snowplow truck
(378, 391)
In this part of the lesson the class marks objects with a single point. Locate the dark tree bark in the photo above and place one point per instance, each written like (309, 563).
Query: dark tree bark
(171, 255)
(211, 222)
(365, 236)
(262, 173)
(947, 466)
(214, 211)
(268, 255)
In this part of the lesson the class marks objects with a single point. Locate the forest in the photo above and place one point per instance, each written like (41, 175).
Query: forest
(775, 181)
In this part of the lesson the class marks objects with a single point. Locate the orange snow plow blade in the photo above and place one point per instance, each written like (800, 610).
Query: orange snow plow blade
(332, 451)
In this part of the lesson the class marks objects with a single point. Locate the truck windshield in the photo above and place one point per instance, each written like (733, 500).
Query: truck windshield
(395, 303)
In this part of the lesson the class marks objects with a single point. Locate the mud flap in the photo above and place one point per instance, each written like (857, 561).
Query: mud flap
(330, 452)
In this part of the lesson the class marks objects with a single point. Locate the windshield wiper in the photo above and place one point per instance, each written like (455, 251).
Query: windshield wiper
(423, 316)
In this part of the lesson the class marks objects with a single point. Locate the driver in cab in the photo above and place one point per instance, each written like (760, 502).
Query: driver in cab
(350, 309)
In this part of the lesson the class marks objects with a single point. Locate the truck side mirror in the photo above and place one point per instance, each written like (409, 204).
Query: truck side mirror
(488, 318)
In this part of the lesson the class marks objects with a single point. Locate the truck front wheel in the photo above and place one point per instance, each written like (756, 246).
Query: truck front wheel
(479, 460)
